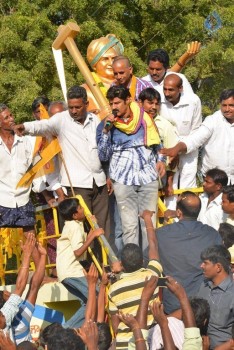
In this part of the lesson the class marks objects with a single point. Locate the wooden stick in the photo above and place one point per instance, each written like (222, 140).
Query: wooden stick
(68, 176)
(65, 38)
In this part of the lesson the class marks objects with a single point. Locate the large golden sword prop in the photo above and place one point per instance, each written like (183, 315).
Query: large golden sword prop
(65, 39)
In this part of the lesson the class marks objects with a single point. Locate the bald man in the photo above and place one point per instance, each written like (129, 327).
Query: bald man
(123, 74)
(184, 112)
(56, 107)
(180, 245)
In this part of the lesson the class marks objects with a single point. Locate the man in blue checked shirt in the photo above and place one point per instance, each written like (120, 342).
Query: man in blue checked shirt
(129, 140)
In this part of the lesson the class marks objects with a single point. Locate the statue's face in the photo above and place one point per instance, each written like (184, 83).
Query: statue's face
(104, 66)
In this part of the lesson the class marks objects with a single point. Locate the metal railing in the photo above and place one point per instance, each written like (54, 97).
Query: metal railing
(10, 238)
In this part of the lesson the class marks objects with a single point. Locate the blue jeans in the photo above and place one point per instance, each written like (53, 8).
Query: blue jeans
(131, 201)
(78, 287)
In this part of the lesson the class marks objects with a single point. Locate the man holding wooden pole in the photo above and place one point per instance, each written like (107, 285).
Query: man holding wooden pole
(76, 133)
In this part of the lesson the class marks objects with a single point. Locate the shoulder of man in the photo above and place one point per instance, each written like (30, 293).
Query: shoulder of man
(191, 98)
(93, 118)
(144, 82)
(209, 230)
(213, 119)
(167, 228)
(147, 78)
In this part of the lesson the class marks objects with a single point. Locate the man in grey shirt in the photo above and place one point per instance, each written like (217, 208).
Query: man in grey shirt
(180, 245)
(218, 290)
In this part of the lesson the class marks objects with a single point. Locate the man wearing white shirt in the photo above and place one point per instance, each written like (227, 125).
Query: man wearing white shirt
(76, 133)
(158, 65)
(211, 212)
(184, 112)
(216, 135)
(150, 100)
(16, 209)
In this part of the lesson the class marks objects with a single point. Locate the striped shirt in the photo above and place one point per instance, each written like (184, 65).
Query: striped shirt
(125, 295)
(131, 162)
(21, 323)
(177, 331)
(141, 85)
(9, 310)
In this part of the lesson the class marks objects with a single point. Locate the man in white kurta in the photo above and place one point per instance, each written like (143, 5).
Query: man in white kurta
(184, 112)
(216, 136)
(76, 133)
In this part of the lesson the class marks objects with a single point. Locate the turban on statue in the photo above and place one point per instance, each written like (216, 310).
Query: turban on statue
(98, 47)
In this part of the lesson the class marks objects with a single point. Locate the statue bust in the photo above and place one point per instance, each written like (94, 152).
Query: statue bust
(100, 55)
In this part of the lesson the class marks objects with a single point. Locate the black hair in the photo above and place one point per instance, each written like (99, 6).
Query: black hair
(68, 207)
(76, 92)
(26, 345)
(160, 55)
(217, 254)
(189, 210)
(104, 336)
(2, 301)
(225, 94)
(201, 311)
(118, 91)
(40, 100)
(226, 231)
(229, 191)
(131, 257)
(149, 94)
(65, 339)
(49, 331)
(218, 176)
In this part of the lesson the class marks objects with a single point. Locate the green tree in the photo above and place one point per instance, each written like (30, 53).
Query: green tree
(28, 29)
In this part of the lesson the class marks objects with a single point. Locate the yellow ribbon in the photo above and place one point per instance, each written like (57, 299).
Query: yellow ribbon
(100, 84)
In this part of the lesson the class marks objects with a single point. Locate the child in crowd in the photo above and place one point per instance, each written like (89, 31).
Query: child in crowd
(71, 250)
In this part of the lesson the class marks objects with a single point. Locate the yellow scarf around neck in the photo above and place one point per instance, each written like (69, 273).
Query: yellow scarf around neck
(151, 136)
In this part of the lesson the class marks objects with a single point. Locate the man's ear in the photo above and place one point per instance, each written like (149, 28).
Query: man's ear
(219, 267)
(74, 216)
(178, 213)
(87, 103)
(181, 89)
(140, 103)
(128, 100)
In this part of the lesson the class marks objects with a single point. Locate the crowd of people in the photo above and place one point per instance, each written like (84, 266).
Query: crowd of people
(172, 287)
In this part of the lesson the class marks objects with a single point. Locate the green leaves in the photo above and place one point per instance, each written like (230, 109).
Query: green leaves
(29, 27)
